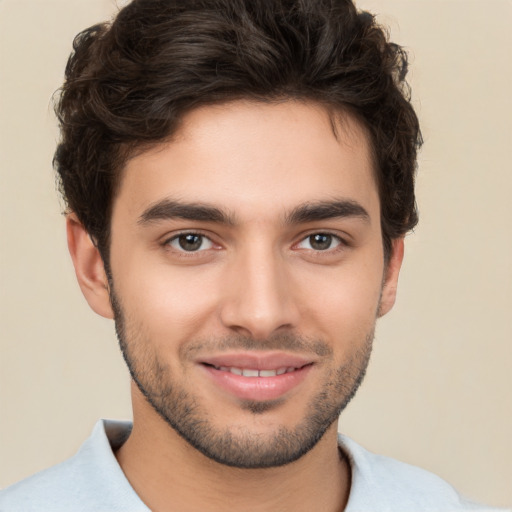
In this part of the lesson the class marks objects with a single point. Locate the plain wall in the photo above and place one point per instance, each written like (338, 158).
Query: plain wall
(438, 392)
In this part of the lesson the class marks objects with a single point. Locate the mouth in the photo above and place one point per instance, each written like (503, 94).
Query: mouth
(252, 372)
(257, 377)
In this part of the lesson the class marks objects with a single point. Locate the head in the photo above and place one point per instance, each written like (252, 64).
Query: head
(240, 176)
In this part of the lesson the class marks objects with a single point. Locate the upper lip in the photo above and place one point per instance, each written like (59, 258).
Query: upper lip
(257, 361)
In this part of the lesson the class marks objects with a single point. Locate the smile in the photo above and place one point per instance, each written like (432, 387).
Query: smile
(257, 382)
(249, 372)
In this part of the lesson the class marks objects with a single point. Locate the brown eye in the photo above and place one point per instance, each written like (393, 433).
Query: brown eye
(190, 242)
(320, 242)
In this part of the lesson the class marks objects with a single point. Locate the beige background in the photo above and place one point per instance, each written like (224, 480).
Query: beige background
(438, 390)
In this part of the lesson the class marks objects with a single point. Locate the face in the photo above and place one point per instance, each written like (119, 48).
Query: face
(247, 274)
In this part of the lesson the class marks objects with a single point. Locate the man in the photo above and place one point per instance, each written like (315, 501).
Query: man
(239, 177)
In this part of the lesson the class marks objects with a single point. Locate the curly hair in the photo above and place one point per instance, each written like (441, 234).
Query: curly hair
(129, 83)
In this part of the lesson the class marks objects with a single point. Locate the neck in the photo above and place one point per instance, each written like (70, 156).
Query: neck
(169, 474)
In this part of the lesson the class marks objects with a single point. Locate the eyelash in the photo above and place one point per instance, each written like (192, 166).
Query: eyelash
(341, 243)
(167, 243)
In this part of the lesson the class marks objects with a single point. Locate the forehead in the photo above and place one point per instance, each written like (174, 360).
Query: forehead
(254, 159)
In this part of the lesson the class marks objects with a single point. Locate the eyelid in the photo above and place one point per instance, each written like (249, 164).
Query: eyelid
(197, 232)
(342, 240)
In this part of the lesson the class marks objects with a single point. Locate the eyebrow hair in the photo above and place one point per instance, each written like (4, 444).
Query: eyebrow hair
(322, 210)
(169, 209)
(307, 212)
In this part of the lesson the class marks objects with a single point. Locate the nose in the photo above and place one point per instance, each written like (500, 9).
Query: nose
(259, 295)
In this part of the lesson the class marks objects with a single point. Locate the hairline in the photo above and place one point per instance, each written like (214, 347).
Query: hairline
(336, 114)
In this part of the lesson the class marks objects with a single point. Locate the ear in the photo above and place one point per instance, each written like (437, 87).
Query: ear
(392, 270)
(89, 268)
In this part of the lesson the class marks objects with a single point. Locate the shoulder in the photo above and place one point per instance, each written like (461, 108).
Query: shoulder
(45, 490)
(90, 480)
(384, 484)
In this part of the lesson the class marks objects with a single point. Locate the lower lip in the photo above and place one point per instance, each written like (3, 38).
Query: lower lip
(257, 388)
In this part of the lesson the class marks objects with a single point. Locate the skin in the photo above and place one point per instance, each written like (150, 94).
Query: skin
(257, 277)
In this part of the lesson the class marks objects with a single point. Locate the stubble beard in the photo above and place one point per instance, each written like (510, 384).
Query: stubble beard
(239, 447)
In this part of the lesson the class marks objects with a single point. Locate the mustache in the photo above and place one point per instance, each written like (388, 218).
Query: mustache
(282, 342)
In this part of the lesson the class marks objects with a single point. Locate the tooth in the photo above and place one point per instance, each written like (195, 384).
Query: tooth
(268, 373)
(250, 373)
(281, 371)
(236, 371)
(290, 369)
(223, 368)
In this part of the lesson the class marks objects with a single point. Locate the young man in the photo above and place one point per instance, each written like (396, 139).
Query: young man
(239, 177)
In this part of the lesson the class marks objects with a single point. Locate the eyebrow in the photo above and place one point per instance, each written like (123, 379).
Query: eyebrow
(168, 209)
(323, 210)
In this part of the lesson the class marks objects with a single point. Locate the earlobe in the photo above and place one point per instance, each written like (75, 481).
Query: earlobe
(89, 268)
(392, 271)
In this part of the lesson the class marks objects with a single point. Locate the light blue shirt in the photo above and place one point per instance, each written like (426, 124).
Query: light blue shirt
(92, 480)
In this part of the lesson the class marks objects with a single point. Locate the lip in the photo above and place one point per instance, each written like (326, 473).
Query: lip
(258, 361)
(257, 388)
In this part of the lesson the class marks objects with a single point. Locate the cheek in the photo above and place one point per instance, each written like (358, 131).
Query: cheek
(170, 304)
(343, 303)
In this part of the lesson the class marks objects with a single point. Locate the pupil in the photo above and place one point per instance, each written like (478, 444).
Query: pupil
(320, 242)
(190, 242)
